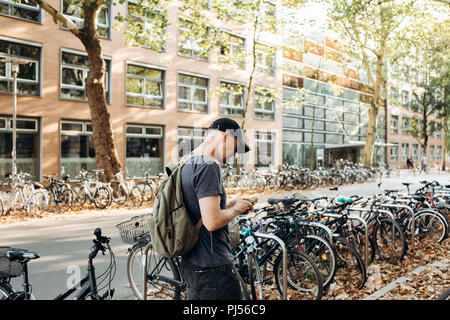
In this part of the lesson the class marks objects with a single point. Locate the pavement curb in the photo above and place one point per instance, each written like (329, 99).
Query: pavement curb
(396, 283)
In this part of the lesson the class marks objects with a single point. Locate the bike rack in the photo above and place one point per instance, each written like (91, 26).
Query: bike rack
(283, 246)
(144, 278)
(319, 225)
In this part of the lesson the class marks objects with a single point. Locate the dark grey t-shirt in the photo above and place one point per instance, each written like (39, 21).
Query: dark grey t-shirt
(200, 177)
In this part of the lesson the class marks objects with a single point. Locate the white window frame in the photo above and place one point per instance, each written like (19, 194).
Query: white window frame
(85, 69)
(148, 24)
(439, 152)
(11, 4)
(230, 98)
(394, 153)
(8, 126)
(142, 94)
(432, 152)
(83, 131)
(269, 139)
(143, 134)
(264, 68)
(232, 47)
(192, 88)
(405, 151)
(78, 20)
(258, 107)
(191, 44)
(394, 124)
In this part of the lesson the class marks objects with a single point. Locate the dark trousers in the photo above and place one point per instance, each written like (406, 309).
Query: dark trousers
(215, 283)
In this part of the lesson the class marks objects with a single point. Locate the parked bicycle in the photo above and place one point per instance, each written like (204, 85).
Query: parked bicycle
(14, 263)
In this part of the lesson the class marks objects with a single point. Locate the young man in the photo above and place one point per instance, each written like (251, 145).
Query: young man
(208, 269)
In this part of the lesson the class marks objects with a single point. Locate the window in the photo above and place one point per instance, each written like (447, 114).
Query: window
(394, 124)
(405, 151)
(27, 145)
(145, 86)
(24, 10)
(405, 98)
(189, 138)
(231, 99)
(28, 76)
(432, 152)
(439, 133)
(75, 13)
(394, 153)
(232, 50)
(74, 71)
(144, 150)
(264, 142)
(146, 27)
(193, 44)
(265, 59)
(405, 125)
(264, 104)
(77, 147)
(192, 93)
(415, 152)
(439, 152)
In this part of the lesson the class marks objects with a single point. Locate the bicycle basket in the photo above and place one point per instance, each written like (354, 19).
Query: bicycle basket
(135, 229)
(9, 269)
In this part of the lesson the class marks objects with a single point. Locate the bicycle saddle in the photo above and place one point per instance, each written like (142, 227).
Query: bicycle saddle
(285, 201)
(406, 183)
(21, 255)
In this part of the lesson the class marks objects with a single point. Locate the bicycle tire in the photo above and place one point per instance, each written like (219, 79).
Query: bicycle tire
(422, 220)
(100, 196)
(350, 265)
(66, 200)
(157, 287)
(37, 203)
(5, 291)
(137, 196)
(80, 196)
(379, 236)
(147, 191)
(308, 280)
(119, 194)
(255, 276)
(323, 255)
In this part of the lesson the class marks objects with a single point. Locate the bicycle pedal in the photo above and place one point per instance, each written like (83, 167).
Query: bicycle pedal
(268, 281)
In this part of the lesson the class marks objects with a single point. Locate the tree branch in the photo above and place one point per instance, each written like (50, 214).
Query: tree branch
(58, 16)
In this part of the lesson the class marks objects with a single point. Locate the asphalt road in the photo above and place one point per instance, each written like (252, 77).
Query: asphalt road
(64, 244)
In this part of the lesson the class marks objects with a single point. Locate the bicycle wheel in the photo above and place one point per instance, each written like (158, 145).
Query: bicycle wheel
(119, 194)
(303, 277)
(102, 198)
(389, 241)
(5, 291)
(136, 196)
(37, 203)
(66, 200)
(255, 277)
(80, 196)
(322, 254)
(162, 274)
(431, 224)
(148, 192)
(358, 240)
(350, 265)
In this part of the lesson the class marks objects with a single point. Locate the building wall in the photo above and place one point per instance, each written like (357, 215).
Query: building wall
(51, 109)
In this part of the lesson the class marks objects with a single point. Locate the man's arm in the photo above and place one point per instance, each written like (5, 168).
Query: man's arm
(214, 218)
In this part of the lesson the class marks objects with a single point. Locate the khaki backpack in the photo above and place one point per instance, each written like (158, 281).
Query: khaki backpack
(172, 231)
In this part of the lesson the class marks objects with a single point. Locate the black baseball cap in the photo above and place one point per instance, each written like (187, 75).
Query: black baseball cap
(227, 124)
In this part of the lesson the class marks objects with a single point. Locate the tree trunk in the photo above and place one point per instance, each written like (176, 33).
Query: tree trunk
(106, 156)
(370, 136)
